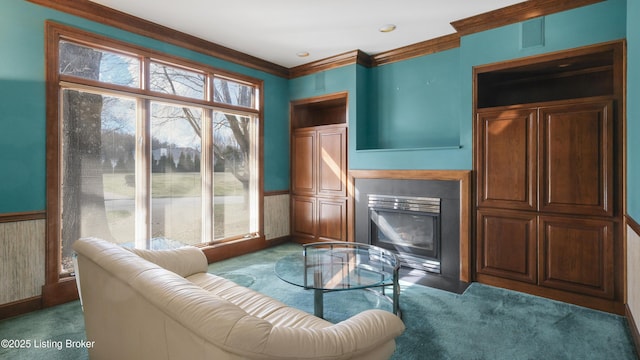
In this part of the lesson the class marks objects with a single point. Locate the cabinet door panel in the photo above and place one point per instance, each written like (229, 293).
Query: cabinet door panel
(507, 159)
(577, 159)
(303, 214)
(577, 255)
(332, 161)
(507, 244)
(332, 216)
(303, 166)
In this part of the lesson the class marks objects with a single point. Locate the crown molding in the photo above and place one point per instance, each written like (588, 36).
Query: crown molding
(108, 16)
(515, 13)
(344, 59)
(509, 15)
(442, 43)
(361, 58)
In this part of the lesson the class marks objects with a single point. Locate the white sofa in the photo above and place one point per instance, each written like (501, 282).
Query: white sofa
(169, 307)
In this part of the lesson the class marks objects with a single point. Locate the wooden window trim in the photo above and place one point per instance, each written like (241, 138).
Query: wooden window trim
(57, 289)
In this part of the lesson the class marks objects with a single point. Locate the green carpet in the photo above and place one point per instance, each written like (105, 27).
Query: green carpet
(483, 323)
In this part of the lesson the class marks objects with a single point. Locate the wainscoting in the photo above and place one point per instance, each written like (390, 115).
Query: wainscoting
(633, 280)
(276, 216)
(21, 259)
(22, 255)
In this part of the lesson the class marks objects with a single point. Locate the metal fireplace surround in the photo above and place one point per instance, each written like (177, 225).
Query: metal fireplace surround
(433, 206)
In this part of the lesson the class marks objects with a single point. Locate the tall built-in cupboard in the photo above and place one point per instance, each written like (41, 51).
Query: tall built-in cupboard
(548, 154)
(319, 169)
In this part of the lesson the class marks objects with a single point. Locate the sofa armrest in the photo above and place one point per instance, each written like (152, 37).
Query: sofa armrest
(353, 337)
(184, 261)
(372, 325)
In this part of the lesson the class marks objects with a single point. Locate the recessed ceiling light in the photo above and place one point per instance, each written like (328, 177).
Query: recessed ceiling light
(387, 28)
(303, 54)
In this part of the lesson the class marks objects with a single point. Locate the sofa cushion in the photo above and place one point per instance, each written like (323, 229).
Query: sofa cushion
(184, 261)
(257, 304)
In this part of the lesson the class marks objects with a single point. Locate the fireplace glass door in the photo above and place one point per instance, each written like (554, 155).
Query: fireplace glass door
(410, 230)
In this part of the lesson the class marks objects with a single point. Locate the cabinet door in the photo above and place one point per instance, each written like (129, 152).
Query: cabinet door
(507, 244)
(332, 219)
(303, 162)
(577, 255)
(332, 161)
(303, 217)
(507, 159)
(576, 144)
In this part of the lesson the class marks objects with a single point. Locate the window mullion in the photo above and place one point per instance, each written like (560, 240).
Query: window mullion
(143, 176)
(206, 165)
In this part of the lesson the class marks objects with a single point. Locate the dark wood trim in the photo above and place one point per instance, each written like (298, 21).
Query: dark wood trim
(105, 15)
(227, 250)
(615, 46)
(611, 306)
(348, 58)
(60, 292)
(633, 328)
(489, 20)
(101, 42)
(20, 307)
(515, 13)
(464, 176)
(439, 44)
(276, 192)
(23, 216)
(320, 99)
(633, 224)
(52, 242)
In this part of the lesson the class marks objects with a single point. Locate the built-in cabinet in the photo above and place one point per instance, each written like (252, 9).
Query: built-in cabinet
(548, 188)
(544, 170)
(319, 170)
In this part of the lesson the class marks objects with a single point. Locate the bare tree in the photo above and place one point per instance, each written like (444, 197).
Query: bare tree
(83, 191)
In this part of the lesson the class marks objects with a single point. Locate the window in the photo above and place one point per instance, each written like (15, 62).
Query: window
(152, 151)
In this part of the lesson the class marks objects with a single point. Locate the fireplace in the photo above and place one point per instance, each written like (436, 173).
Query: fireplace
(419, 220)
(409, 226)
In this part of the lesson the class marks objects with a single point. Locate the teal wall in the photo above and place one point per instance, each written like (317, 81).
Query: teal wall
(633, 109)
(22, 103)
(414, 114)
(415, 103)
(418, 112)
(433, 94)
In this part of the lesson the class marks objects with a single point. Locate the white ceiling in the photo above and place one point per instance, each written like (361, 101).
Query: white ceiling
(276, 30)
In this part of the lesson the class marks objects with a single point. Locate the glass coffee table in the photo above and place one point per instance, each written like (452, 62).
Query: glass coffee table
(338, 266)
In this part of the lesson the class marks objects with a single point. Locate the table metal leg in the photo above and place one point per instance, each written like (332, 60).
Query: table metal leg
(318, 303)
(396, 294)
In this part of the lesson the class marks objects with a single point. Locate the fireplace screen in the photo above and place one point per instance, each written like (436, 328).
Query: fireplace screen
(408, 226)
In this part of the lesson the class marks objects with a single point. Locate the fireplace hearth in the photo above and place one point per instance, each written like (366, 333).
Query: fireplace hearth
(417, 219)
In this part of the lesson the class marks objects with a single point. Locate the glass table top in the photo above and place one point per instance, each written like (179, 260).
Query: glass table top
(333, 266)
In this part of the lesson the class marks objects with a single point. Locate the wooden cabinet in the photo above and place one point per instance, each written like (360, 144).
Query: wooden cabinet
(507, 244)
(576, 158)
(506, 156)
(576, 255)
(304, 162)
(545, 195)
(332, 219)
(319, 183)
